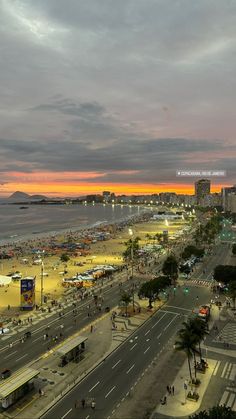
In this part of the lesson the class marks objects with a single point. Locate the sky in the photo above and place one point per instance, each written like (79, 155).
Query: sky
(117, 95)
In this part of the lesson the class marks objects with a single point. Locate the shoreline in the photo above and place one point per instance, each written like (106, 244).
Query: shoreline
(108, 251)
(18, 239)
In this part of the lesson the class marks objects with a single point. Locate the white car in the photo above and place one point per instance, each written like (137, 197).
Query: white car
(4, 330)
(16, 276)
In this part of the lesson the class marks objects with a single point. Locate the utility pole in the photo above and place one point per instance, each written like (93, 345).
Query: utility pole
(132, 263)
(42, 272)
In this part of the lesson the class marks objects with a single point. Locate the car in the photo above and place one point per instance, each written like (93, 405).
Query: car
(5, 374)
(16, 276)
(27, 335)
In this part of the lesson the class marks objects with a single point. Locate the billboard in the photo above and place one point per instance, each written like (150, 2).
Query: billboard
(27, 293)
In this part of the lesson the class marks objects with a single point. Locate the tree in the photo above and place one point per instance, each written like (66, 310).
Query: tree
(225, 273)
(186, 343)
(198, 328)
(170, 267)
(132, 248)
(234, 249)
(126, 299)
(64, 257)
(216, 412)
(232, 292)
(192, 251)
(151, 289)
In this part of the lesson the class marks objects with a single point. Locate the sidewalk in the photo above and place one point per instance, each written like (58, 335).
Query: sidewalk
(177, 405)
(56, 381)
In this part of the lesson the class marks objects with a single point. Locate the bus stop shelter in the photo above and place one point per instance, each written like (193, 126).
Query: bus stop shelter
(16, 386)
(71, 350)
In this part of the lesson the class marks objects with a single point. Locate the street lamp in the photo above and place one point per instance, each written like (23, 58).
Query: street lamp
(132, 263)
(42, 275)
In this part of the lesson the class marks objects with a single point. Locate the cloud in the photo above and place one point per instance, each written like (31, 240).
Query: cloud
(139, 87)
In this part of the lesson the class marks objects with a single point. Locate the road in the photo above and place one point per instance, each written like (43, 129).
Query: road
(220, 255)
(22, 353)
(112, 379)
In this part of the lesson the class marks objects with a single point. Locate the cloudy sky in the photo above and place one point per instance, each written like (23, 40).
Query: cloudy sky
(101, 94)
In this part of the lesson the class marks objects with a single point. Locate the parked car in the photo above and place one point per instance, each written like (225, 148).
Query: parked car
(27, 335)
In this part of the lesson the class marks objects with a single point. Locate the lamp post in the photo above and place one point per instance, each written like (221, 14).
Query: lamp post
(132, 263)
(42, 275)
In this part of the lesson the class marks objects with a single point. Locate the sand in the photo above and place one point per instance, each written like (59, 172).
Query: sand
(101, 252)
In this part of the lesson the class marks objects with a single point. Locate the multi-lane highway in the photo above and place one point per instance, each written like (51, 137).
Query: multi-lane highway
(114, 377)
(15, 354)
(220, 256)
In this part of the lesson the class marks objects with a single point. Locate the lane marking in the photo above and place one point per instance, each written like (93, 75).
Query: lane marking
(147, 349)
(109, 392)
(171, 322)
(95, 385)
(159, 320)
(116, 364)
(147, 332)
(21, 358)
(133, 347)
(67, 413)
(216, 367)
(127, 372)
(87, 417)
(159, 335)
(8, 356)
(225, 367)
(35, 340)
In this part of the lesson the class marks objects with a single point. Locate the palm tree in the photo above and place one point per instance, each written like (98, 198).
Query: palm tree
(186, 343)
(232, 292)
(126, 298)
(199, 329)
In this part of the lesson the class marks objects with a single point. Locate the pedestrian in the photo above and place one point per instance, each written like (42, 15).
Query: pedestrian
(91, 328)
(83, 403)
(93, 404)
(173, 390)
(168, 389)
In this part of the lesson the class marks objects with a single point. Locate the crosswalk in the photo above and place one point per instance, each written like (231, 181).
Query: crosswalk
(200, 282)
(229, 398)
(227, 371)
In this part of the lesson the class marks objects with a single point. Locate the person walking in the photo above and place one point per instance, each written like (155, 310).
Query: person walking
(93, 404)
(83, 403)
(173, 390)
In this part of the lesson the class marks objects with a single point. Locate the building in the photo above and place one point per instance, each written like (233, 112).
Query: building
(225, 192)
(202, 188)
(231, 203)
(106, 196)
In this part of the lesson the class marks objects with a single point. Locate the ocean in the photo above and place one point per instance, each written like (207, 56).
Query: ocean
(16, 223)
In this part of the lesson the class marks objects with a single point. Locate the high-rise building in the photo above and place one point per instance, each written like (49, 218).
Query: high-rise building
(202, 188)
(106, 196)
(225, 192)
(231, 203)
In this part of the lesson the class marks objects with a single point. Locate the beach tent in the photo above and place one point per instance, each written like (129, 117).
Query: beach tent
(5, 280)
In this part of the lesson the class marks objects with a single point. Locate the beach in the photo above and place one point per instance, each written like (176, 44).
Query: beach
(96, 252)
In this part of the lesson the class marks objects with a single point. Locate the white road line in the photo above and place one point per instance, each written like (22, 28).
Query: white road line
(171, 322)
(159, 335)
(21, 358)
(224, 398)
(158, 320)
(147, 332)
(87, 417)
(133, 347)
(67, 413)
(109, 392)
(231, 400)
(8, 356)
(116, 364)
(95, 385)
(35, 340)
(223, 372)
(127, 372)
(233, 373)
(216, 367)
(147, 349)
(68, 328)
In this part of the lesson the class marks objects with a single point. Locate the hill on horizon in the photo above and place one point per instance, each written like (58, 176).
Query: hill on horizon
(22, 196)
